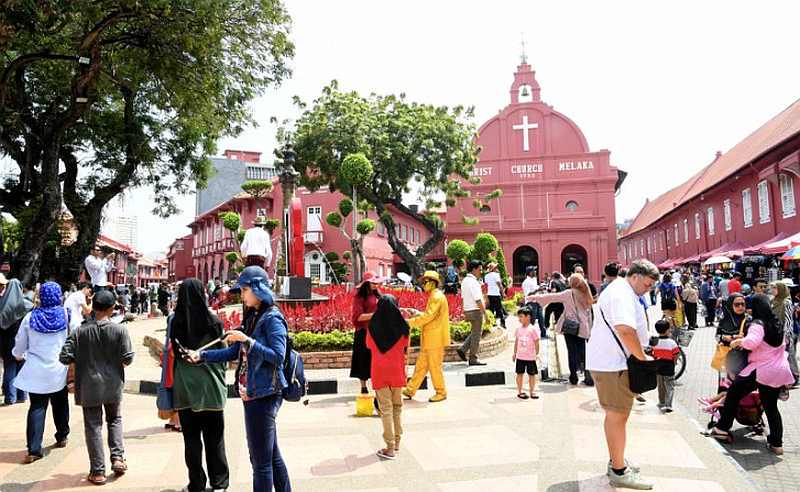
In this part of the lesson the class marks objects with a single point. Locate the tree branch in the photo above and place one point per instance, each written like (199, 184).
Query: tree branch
(20, 63)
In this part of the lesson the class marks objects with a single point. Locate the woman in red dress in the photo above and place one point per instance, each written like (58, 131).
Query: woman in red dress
(365, 302)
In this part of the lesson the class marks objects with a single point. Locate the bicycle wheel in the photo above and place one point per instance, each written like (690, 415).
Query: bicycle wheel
(680, 363)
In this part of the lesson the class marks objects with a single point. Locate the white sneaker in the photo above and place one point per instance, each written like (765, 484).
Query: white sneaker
(629, 480)
(629, 464)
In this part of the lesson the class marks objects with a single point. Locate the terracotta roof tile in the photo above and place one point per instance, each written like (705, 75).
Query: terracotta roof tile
(783, 126)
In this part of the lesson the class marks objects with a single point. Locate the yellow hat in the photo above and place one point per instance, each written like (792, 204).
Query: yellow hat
(431, 275)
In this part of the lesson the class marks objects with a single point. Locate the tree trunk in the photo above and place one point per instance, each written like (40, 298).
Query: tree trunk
(73, 256)
(358, 260)
(25, 266)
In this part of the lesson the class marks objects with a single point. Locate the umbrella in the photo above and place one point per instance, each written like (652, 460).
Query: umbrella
(715, 260)
(792, 254)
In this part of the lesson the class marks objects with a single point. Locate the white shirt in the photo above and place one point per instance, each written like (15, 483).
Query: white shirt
(74, 303)
(620, 305)
(529, 286)
(42, 372)
(98, 269)
(471, 292)
(257, 243)
(493, 283)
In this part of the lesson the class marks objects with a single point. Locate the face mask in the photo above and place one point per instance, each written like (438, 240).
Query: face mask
(429, 287)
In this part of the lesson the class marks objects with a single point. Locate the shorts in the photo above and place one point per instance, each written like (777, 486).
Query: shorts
(613, 390)
(528, 366)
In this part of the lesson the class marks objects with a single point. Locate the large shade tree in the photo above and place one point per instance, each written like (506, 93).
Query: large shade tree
(406, 142)
(97, 97)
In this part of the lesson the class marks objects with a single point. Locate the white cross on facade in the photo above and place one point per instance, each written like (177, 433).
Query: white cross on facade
(525, 127)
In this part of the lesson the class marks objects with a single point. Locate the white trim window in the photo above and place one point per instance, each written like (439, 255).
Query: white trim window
(747, 207)
(710, 219)
(697, 225)
(763, 202)
(314, 218)
(677, 238)
(787, 195)
(726, 214)
(685, 230)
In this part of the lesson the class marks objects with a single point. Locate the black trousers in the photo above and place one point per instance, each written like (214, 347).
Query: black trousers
(496, 306)
(205, 428)
(576, 356)
(538, 315)
(711, 311)
(556, 309)
(769, 399)
(691, 313)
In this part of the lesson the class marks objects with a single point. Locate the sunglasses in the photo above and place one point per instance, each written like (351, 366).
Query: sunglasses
(739, 304)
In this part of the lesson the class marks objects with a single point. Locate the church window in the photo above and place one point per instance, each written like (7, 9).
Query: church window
(571, 205)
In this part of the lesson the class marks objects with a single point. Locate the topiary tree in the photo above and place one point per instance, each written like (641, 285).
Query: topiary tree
(500, 258)
(231, 221)
(484, 246)
(355, 172)
(458, 251)
(339, 268)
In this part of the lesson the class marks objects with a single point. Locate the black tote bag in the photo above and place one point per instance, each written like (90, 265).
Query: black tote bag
(642, 374)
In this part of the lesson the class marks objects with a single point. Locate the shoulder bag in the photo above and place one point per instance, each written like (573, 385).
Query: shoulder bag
(721, 354)
(571, 326)
(642, 374)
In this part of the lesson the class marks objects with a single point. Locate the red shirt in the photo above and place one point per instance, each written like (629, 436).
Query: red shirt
(734, 286)
(388, 369)
(362, 306)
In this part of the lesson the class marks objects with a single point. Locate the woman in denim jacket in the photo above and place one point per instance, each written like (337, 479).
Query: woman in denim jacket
(260, 347)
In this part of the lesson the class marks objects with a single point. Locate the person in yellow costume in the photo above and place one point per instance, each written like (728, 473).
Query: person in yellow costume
(434, 325)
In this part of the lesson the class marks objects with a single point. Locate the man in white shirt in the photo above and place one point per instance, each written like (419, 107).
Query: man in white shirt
(79, 304)
(529, 287)
(474, 312)
(494, 290)
(98, 267)
(257, 246)
(619, 307)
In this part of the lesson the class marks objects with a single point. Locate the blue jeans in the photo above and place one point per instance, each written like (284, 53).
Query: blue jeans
(37, 412)
(11, 367)
(265, 457)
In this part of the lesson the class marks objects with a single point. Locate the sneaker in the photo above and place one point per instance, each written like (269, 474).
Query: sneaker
(437, 398)
(461, 355)
(633, 466)
(667, 409)
(629, 480)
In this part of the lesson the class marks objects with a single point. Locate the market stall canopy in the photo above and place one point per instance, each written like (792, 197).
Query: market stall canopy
(733, 249)
(792, 255)
(716, 260)
(782, 245)
(691, 259)
(756, 249)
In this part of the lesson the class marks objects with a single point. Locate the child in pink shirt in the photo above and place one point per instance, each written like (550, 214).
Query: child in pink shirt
(526, 348)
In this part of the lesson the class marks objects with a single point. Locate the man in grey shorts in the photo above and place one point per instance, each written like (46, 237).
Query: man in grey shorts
(474, 312)
(618, 309)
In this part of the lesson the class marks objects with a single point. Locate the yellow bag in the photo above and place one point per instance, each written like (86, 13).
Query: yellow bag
(365, 405)
(718, 360)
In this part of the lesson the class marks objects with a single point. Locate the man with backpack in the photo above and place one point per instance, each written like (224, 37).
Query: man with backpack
(669, 296)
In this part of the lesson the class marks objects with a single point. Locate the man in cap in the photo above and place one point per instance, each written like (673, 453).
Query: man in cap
(256, 245)
(434, 325)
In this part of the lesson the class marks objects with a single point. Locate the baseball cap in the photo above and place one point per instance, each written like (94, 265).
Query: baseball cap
(103, 300)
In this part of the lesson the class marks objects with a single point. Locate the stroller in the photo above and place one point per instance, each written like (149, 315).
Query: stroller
(750, 414)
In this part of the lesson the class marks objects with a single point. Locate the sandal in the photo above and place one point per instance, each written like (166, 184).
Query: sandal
(534, 396)
(118, 466)
(97, 478)
(720, 435)
(522, 396)
(383, 453)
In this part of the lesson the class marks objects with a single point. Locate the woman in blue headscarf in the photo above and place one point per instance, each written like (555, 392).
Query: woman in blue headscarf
(260, 347)
(39, 340)
(13, 307)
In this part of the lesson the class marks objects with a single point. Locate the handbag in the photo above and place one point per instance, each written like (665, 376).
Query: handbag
(571, 326)
(718, 360)
(735, 361)
(164, 395)
(642, 374)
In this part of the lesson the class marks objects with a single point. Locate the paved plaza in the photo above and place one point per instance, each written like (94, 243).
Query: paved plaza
(481, 439)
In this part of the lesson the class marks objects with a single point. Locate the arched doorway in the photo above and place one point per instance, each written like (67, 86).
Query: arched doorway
(573, 255)
(524, 256)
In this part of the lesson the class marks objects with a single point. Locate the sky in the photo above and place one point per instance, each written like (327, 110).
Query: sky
(662, 85)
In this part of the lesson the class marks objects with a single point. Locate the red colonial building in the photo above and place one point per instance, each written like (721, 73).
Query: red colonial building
(210, 240)
(179, 259)
(557, 207)
(741, 201)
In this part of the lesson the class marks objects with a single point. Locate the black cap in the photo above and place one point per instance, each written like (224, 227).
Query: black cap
(103, 300)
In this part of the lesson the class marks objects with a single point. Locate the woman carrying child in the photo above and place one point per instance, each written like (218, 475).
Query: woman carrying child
(767, 370)
(387, 339)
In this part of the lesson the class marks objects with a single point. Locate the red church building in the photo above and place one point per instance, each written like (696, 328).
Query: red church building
(557, 206)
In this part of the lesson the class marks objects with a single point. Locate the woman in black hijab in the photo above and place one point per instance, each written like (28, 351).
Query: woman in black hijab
(198, 390)
(734, 311)
(387, 325)
(767, 370)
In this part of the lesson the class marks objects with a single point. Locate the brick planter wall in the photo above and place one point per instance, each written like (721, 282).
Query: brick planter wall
(491, 344)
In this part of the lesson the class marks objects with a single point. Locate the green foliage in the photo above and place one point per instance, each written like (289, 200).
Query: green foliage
(494, 194)
(306, 341)
(12, 234)
(347, 255)
(458, 249)
(512, 305)
(113, 96)
(345, 207)
(334, 219)
(500, 258)
(339, 268)
(271, 224)
(232, 256)
(485, 244)
(356, 170)
(240, 236)
(332, 256)
(470, 221)
(230, 220)
(258, 188)
(365, 226)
